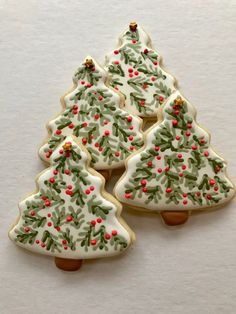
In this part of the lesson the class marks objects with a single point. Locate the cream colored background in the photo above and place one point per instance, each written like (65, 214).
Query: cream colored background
(191, 270)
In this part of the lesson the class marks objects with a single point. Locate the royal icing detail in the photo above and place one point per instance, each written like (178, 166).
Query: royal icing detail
(70, 216)
(177, 169)
(135, 71)
(92, 113)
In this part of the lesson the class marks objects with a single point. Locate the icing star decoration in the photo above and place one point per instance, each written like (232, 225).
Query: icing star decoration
(67, 147)
(89, 63)
(178, 101)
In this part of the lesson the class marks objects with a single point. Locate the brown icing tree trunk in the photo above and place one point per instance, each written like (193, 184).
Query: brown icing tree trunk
(174, 218)
(68, 264)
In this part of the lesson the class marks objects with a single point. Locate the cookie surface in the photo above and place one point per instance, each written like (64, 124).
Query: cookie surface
(177, 169)
(135, 71)
(70, 215)
(93, 113)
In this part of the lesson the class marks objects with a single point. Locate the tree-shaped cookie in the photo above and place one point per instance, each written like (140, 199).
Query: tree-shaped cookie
(92, 112)
(70, 216)
(135, 71)
(177, 171)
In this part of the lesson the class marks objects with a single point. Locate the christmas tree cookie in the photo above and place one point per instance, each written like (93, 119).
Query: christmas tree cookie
(177, 171)
(135, 70)
(70, 216)
(93, 113)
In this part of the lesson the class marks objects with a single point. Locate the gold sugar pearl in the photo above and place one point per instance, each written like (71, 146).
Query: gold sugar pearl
(179, 101)
(67, 147)
(89, 63)
(133, 26)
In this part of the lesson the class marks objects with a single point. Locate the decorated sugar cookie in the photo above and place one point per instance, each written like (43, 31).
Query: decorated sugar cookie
(177, 171)
(92, 112)
(70, 216)
(135, 70)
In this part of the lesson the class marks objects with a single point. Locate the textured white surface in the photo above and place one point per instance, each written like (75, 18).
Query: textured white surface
(191, 270)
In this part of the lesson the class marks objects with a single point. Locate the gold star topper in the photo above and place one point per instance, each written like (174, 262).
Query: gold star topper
(67, 147)
(179, 101)
(133, 26)
(89, 63)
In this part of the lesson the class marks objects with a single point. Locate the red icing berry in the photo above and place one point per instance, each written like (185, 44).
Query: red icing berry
(174, 122)
(47, 203)
(216, 188)
(143, 182)
(167, 169)
(117, 154)
(114, 232)
(209, 197)
(181, 174)
(55, 172)
(130, 70)
(69, 218)
(131, 138)
(49, 215)
(168, 190)
(43, 244)
(198, 194)
(185, 194)
(96, 116)
(71, 126)
(58, 132)
(159, 170)
(69, 192)
(134, 41)
(206, 154)
(93, 242)
(37, 241)
(89, 85)
(116, 52)
(128, 195)
(145, 189)
(32, 213)
(49, 224)
(131, 147)
(194, 147)
(189, 125)
(161, 98)
(65, 247)
(52, 180)
(100, 98)
(61, 151)
(176, 112)
(100, 149)
(129, 118)
(67, 171)
(153, 78)
(136, 73)
(177, 138)
(130, 75)
(155, 62)
(158, 157)
(84, 140)
(87, 192)
(27, 229)
(96, 144)
(69, 187)
(188, 133)
(85, 124)
(149, 164)
(93, 222)
(75, 106)
(179, 155)
(157, 148)
(142, 103)
(185, 202)
(91, 188)
(184, 167)
(212, 182)
(99, 220)
(82, 82)
(44, 198)
(58, 228)
(145, 51)
(107, 236)
(116, 62)
(106, 132)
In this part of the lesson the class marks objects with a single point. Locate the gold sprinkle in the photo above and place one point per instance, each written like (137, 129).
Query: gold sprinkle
(67, 147)
(133, 26)
(179, 101)
(89, 63)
